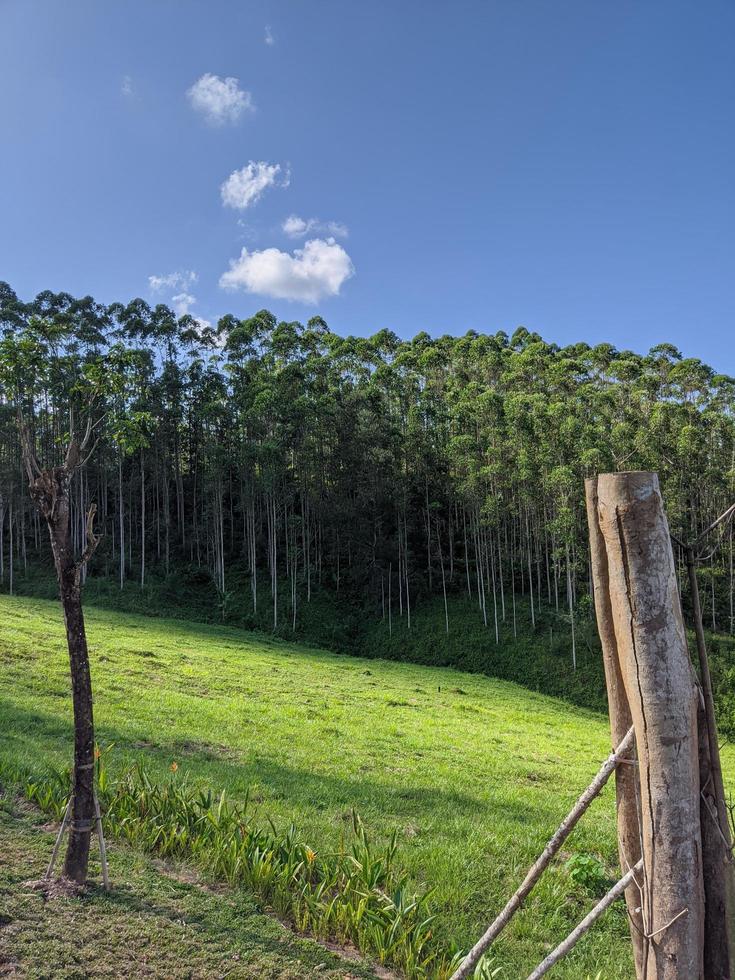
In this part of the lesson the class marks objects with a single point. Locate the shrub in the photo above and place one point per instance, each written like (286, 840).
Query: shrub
(588, 872)
(354, 894)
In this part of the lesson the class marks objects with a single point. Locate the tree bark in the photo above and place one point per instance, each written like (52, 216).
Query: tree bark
(658, 680)
(714, 862)
(82, 816)
(50, 491)
(716, 838)
(629, 840)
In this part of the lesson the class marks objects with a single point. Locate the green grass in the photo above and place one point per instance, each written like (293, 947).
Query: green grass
(473, 773)
(537, 655)
(157, 922)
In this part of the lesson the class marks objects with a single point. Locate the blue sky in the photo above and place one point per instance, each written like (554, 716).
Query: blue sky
(567, 166)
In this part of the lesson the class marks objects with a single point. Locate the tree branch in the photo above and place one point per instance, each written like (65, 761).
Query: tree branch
(92, 540)
(29, 455)
(723, 517)
(589, 920)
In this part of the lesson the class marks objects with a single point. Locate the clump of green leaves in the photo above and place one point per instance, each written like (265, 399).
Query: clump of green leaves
(588, 872)
(355, 894)
(485, 969)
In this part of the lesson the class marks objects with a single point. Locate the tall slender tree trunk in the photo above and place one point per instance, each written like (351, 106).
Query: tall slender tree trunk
(530, 572)
(142, 521)
(11, 559)
(444, 581)
(2, 544)
(121, 518)
(82, 812)
(570, 603)
(390, 599)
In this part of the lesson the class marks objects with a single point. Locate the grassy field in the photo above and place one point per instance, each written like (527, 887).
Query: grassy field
(473, 773)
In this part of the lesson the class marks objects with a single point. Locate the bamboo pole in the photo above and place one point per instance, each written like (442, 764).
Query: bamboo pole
(103, 849)
(57, 842)
(474, 956)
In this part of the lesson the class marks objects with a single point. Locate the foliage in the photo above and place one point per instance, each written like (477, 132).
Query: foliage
(589, 872)
(279, 459)
(354, 894)
(159, 921)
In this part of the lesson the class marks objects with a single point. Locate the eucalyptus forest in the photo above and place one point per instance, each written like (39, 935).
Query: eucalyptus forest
(386, 470)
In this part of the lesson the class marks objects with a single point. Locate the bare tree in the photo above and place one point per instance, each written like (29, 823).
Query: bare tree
(50, 491)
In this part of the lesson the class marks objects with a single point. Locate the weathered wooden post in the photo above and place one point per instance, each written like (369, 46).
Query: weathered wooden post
(629, 835)
(717, 860)
(657, 677)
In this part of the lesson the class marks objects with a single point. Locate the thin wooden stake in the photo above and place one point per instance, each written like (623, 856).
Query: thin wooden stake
(57, 843)
(100, 837)
(474, 956)
(103, 849)
(588, 921)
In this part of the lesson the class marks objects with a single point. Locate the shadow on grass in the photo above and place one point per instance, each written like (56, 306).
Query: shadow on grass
(27, 736)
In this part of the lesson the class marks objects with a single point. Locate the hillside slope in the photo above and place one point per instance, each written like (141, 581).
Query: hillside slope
(473, 773)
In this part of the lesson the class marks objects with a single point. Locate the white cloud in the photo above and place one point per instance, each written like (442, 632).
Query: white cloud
(246, 186)
(296, 227)
(126, 88)
(221, 100)
(269, 39)
(174, 280)
(337, 228)
(317, 270)
(183, 303)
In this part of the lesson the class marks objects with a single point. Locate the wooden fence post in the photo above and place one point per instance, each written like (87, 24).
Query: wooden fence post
(626, 776)
(657, 676)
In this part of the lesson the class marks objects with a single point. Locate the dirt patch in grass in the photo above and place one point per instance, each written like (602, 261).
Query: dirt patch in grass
(205, 750)
(53, 888)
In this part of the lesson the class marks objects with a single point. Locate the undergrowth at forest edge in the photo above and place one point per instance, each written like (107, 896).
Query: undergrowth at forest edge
(355, 894)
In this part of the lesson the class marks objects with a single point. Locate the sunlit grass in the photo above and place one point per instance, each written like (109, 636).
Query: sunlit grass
(472, 774)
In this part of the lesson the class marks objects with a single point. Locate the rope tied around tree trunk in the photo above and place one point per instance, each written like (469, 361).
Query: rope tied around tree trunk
(82, 826)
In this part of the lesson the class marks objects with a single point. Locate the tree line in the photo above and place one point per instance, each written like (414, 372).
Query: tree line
(386, 471)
